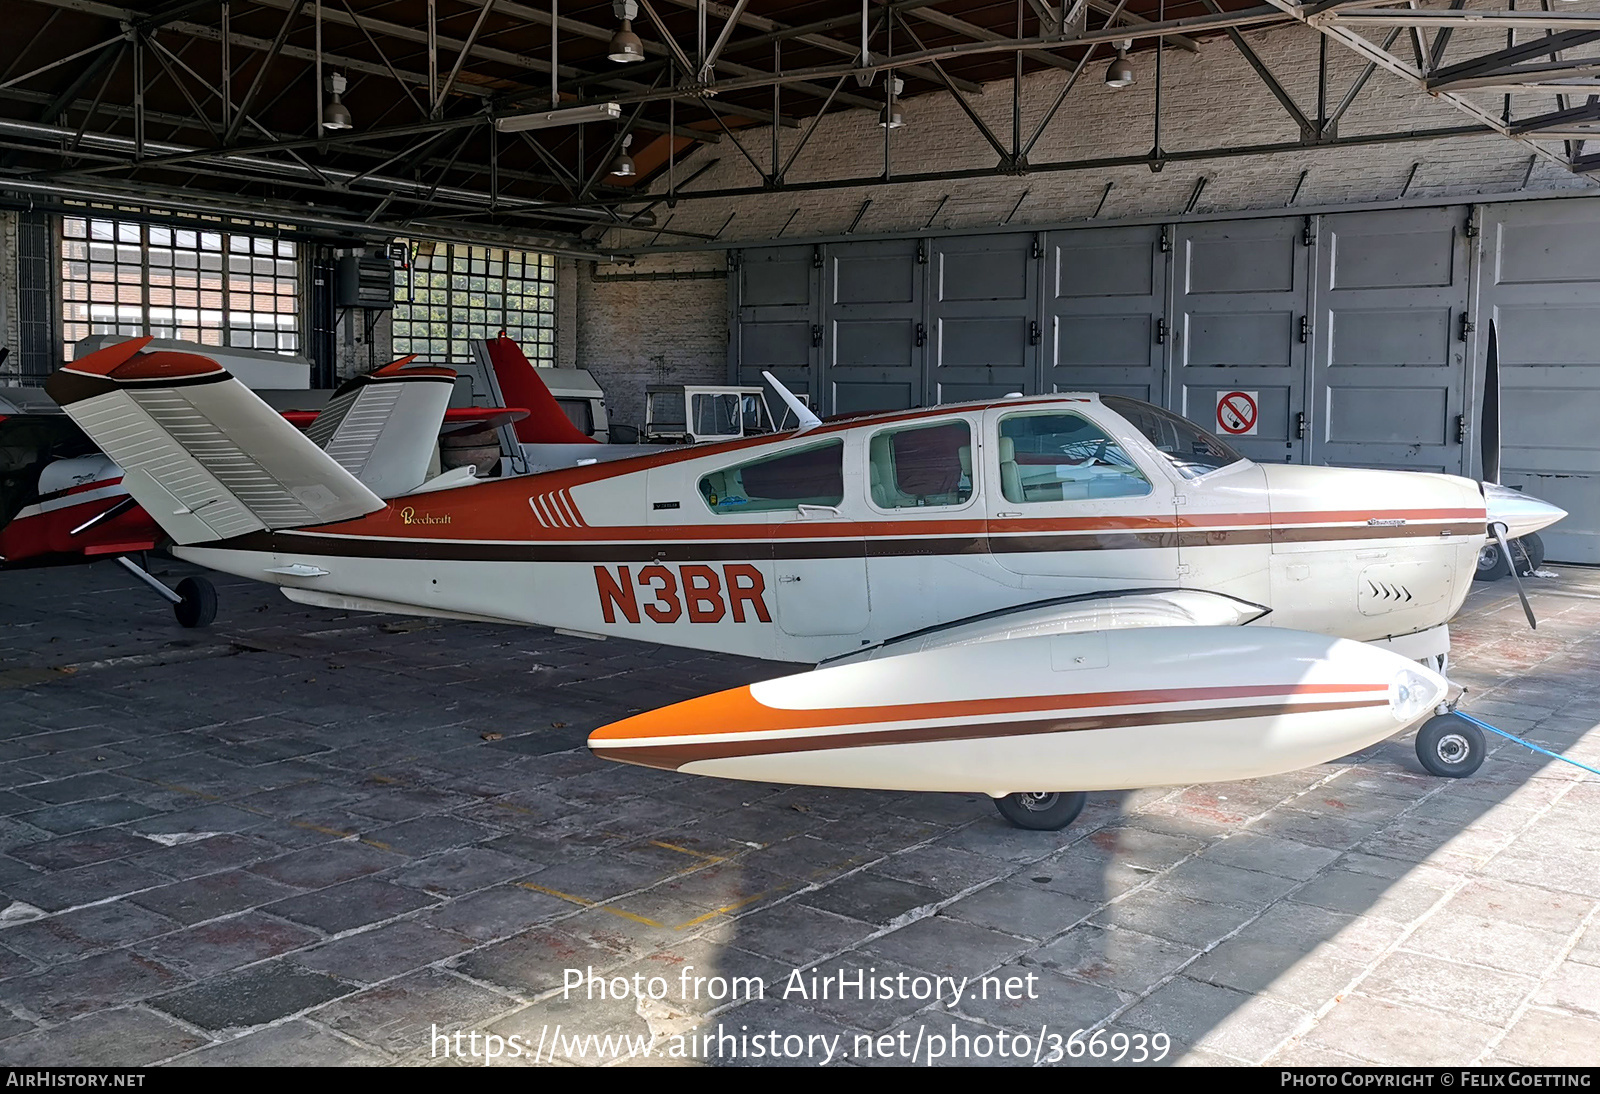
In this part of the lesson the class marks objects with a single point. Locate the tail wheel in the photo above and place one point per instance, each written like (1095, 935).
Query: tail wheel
(1046, 812)
(199, 604)
(1450, 746)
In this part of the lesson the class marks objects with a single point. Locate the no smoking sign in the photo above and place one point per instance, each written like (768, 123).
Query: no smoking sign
(1238, 413)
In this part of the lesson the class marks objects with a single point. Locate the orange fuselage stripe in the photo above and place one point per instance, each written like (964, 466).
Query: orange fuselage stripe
(739, 711)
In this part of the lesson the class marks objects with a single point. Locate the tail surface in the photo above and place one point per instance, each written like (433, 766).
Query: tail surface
(382, 427)
(200, 451)
(520, 386)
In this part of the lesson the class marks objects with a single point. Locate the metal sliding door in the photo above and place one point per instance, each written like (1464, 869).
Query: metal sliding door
(983, 329)
(1105, 312)
(1240, 333)
(1541, 292)
(777, 316)
(1389, 360)
(873, 330)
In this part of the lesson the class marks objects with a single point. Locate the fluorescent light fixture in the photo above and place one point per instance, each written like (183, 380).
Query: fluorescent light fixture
(574, 115)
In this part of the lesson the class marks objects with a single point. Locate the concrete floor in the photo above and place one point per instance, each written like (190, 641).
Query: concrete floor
(313, 837)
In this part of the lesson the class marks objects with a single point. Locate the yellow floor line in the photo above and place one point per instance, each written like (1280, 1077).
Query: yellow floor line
(725, 909)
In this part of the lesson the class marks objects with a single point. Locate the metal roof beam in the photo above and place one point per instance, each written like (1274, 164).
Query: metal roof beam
(821, 41)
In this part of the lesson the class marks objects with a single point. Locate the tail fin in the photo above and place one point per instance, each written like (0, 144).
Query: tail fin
(199, 450)
(520, 386)
(382, 427)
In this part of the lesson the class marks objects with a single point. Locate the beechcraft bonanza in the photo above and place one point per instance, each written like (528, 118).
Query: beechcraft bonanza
(1030, 597)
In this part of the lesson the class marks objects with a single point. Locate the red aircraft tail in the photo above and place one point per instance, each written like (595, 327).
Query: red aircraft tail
(520, 386)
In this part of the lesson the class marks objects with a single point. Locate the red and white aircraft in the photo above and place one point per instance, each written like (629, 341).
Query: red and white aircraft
(1030, 597)
(62, 501)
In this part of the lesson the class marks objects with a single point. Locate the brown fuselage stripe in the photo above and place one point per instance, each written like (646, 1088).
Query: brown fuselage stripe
(768, 549)
(670, 757)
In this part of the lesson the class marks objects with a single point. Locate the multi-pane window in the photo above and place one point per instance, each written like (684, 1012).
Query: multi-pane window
(215, 288)
(455, 292)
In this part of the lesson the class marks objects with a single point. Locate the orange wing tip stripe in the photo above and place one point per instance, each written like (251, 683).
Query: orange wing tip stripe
(675, 755)
(739, 711)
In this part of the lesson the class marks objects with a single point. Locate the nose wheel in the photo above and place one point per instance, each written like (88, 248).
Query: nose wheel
(1043, 812)
(1450, 746)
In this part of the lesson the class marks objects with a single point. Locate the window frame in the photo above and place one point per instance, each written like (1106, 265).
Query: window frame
(436, 318)
(1121, 442)
(974, 431)
(257, 270)
(802, 445)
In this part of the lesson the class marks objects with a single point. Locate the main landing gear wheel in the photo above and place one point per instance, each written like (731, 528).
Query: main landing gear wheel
(1450, 746)
(1049, 812)
(1492, 564)
(199, 604)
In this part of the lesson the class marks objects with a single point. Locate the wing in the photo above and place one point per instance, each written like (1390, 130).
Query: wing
(1093, 710)
(1114, 610)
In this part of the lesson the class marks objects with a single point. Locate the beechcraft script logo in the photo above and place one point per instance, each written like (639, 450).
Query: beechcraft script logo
(409, 515)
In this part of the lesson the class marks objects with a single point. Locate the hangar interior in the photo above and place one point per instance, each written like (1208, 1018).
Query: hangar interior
(1377, 222)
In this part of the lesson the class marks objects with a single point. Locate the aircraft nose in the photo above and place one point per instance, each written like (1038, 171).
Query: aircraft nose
(1520, 513)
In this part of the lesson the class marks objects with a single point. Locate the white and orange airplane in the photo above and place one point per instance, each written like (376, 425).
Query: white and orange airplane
(1031, 597)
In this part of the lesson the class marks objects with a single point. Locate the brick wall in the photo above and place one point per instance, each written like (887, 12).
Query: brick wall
(8, 296)
(633, 333)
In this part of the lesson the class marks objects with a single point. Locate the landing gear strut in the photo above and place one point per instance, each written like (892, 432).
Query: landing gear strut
(1049, 812)
(194, 601)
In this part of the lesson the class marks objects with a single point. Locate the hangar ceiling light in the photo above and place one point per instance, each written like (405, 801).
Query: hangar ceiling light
(622, 166)
(891, 116)
(1119, 73)
(336, 115)
(625, 48)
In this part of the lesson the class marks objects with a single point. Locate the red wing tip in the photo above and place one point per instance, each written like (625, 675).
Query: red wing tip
(106, 359)
(165, 365)
(395, 366)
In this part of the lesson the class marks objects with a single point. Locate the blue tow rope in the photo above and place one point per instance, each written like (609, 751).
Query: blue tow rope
(1523, 743)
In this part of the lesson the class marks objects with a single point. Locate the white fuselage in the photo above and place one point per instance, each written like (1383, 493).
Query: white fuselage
(649, 549)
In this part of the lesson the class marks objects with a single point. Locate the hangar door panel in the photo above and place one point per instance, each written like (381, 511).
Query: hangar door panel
(777, 309)
(1389, 356)
(983, 328)
(1239, 299)
(1105, 296)
(1541, 291)
(872, 352)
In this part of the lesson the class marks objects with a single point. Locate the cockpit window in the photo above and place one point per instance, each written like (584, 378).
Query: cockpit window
(1063, 457)
(1190, 449)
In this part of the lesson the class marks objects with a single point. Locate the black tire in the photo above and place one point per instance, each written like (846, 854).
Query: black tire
(1532, 547)
(1492, 564)
(1450, 746)
(1042, 812)
(199, 605)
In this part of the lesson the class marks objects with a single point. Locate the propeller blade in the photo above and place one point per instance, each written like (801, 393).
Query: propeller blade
(1499, 531)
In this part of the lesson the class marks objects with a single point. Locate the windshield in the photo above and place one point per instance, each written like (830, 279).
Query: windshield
(1190, 449)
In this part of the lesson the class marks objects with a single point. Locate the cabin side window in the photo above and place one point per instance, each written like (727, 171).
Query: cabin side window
(921, 465)
(801, 476)
(1063, 457)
